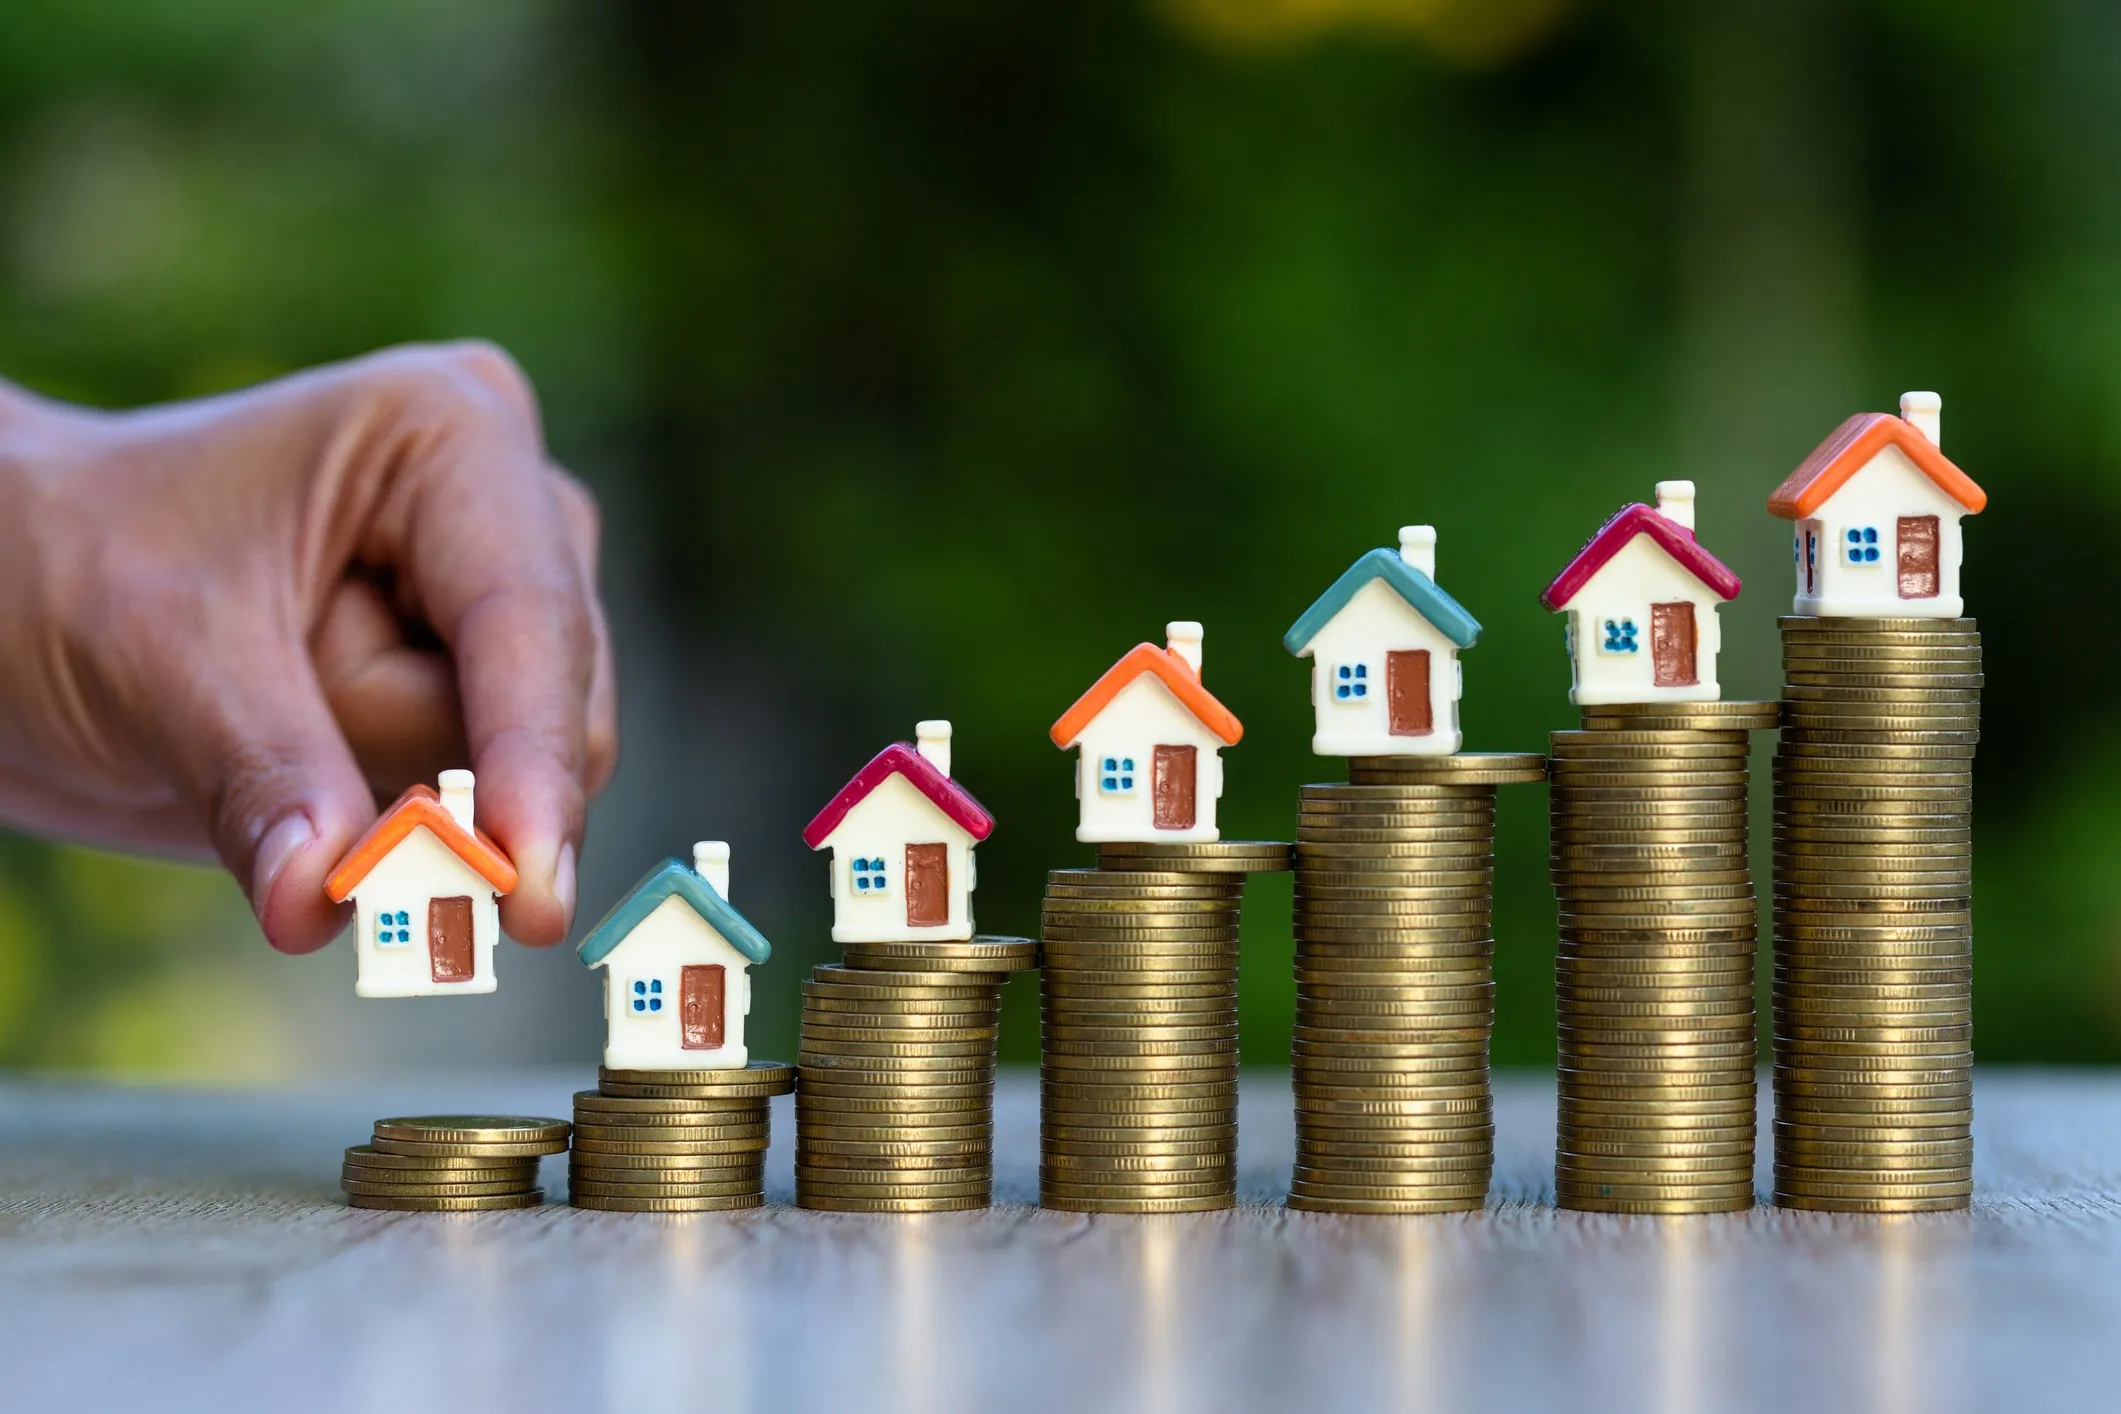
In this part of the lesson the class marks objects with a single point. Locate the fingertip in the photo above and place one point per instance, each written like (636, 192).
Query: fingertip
(288, 895)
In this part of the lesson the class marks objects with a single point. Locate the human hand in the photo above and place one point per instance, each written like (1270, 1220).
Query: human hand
(223, 622)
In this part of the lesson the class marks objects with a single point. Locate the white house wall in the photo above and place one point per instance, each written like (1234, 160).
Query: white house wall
(1371, 625)
(891, 817)
(420, 868)
(1144, 716)
(1888, 487)
(667, 941)
(1626, 586)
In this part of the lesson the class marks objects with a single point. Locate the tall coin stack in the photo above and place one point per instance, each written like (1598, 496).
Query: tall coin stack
(451, 1163)
(1395, 983)
(894, 1103)
(674, 1141)
(1138, 1034)
(1654, 979)
(1873, 914)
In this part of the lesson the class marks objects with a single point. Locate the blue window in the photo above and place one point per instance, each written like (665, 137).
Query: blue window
(869, 874)
(1115, 775)
(1860, 544)
(1619, 636)
(393, 928)
(646, 996)
(1351, 682)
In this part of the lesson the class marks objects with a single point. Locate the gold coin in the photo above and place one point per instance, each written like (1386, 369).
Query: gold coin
(368, 1156)
(603, 1144)
(485, 1130)
(1236, 856)
(1128, 878)
(757, 1078)
(599, 1108)
(822, 1002)
(446, 1149)
(598, 1203)
(905, 982)
(370, 1187)
(821, 1203)
(598, 1188)
(413, 1203)
(595, 1165)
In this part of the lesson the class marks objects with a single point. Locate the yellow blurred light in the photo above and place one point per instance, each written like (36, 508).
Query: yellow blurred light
(1470, 32)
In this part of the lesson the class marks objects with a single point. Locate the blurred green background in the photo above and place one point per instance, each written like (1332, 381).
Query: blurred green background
(928, 356)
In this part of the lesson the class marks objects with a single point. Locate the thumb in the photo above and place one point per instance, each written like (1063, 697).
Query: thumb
(258, 751)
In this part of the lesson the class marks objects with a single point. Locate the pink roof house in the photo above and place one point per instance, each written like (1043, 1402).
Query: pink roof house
(1640, 601)
(901, 835)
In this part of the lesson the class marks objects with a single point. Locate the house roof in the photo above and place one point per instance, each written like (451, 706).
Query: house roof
(672, 877)
(1421, 593)
(1851, 447)
(1172, 671)
(419, 806)
(1613, 537)
(902, 758)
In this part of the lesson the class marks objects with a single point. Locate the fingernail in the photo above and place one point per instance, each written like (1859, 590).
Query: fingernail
(563, 882)
(278, 846)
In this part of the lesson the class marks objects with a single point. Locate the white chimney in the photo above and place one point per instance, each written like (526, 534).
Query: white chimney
(1183, 638)
(1417, 546)
(710, 860)
(1675, 502)
(456, 795)
(932, 739)
(1926, 412)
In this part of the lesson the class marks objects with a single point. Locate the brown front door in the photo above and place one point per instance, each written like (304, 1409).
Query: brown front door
(927, 885)
(1173, 786)
(449, 939)
(1407, 692)
(1672, 645)
(1918, 557)
(702, 992)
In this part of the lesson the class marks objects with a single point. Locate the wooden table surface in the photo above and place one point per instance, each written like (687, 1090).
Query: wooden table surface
(164, 1250)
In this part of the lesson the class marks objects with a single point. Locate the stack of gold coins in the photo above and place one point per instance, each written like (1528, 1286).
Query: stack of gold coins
(1138, 1010)
(451, 1163)
(1654, 984)
(894, 1110)
(1874, 914)
(674, 1141)
(1395, 983)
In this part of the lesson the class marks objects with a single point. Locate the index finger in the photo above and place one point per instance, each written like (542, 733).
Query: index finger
(489, 561)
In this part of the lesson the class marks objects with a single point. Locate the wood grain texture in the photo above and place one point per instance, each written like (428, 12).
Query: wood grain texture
(174, 1251)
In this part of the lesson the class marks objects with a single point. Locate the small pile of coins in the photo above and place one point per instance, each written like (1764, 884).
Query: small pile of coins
(1654, 984)
(1395, 983)
(674, 1141)
(1873, 914)
(1138, 1027)
(451, 1163)
(894, 1107)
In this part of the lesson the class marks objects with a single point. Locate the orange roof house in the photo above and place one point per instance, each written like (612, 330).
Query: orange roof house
(1149, 733)
(424, 880)
(1877, 507)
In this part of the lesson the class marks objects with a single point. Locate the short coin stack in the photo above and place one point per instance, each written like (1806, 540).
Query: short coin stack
(1395, 983)
(674, 1141)
(1138, 1028)
(894, 1108)
(1654, 981)
(452, 1163)
(1873, 914)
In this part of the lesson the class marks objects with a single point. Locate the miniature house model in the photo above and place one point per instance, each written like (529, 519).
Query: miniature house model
(901, 835)
(1383, 644)
(1877, 510)
(676, 960)
(1148, 734)
(423, 881)
(1641, 603)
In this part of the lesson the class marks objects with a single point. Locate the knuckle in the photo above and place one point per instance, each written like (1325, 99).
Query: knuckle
(579, 505)
(468, 386)
(250, 783)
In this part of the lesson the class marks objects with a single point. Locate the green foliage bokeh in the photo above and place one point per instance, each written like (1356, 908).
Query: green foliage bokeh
(935, 354)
